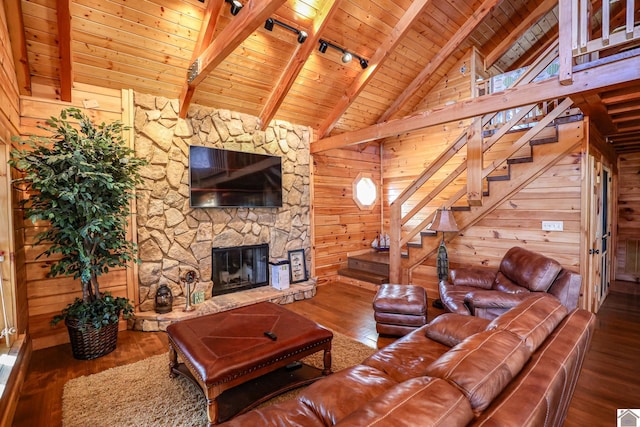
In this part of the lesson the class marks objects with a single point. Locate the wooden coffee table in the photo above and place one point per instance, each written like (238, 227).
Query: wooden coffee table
(238, 366)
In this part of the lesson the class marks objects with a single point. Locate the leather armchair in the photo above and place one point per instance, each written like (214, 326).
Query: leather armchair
(487, 293)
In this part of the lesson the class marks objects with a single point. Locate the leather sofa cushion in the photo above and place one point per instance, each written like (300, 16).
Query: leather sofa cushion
(336, 396)
(533, 320)
(451, 328)
(407, 357)
(482, 365)
(419, 402)
(529, 269)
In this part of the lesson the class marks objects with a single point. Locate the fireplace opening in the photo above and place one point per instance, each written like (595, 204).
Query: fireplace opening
(238, 268)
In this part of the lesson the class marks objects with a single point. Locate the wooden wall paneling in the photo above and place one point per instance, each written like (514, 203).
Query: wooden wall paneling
(340, 226)
(628, 214)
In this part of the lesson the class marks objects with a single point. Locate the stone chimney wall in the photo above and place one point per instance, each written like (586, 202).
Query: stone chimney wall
(174, 238)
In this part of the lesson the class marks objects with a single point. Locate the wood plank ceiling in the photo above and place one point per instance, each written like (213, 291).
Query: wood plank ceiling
(149, 45)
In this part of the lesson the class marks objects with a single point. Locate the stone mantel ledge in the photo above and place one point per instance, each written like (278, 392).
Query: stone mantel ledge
(150, 321)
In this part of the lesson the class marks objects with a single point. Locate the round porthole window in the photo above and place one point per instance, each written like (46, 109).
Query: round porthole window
(365, 191)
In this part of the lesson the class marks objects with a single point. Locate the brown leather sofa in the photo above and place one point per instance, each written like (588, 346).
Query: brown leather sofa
(487, 293)
(518, 370)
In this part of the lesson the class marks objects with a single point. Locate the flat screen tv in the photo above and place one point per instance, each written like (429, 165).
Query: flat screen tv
(221, 178)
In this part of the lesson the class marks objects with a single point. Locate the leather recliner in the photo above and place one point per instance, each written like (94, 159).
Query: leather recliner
(487, 293)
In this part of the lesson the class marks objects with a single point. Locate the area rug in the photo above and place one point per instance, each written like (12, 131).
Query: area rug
(142, 394)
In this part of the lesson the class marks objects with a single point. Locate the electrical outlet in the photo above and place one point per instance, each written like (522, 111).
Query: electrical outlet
(553, 225)
(90, 103)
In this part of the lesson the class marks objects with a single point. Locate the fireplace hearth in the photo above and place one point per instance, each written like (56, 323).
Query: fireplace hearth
(239, 268)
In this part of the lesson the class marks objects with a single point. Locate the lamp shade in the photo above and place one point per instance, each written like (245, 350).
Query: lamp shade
(444, 221)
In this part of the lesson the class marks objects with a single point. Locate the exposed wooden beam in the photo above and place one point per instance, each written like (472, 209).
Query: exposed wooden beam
(521, 29)
(64, 49)
(592, 106)
(413, 13)
(251, 17)
(15, 24)
(297, 61)
(205, 37)
(607, 76)
(460, 36)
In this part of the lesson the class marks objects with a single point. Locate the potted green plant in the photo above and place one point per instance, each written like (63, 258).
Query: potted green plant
(81, 181)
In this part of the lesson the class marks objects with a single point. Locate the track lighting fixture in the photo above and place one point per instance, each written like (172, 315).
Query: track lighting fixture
(235, 6)
(270, 22)
(346, 55)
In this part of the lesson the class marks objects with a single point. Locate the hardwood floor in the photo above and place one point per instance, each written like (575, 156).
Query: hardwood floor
(606, 384)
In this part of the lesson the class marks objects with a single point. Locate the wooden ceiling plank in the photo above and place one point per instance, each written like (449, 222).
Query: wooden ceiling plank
(413, 13)
(524, 25)
(459, 37)
(297, 61)
(64, 48)
(252, 16)
(15, 24)
(606, 76)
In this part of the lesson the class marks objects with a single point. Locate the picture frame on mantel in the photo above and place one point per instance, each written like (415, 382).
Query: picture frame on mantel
(298, 266)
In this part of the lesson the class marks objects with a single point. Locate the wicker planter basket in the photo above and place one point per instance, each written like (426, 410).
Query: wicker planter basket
(90, 343)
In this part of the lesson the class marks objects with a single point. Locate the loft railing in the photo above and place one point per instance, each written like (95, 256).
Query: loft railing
(594, 30)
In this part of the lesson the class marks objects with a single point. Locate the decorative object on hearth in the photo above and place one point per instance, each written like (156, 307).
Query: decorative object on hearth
(164, 299)
(81, 180)
(190, 279)
(298, 265)
(444, 222)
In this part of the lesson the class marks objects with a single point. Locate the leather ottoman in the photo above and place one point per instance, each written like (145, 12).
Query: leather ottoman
(399, 309)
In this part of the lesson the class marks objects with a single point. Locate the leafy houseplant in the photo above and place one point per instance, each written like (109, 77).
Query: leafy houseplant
(82, 179)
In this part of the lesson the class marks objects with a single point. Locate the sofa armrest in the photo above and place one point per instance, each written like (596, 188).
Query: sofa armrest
(490, 304)
(476, 277)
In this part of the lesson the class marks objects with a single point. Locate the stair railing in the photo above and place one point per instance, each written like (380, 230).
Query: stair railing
(397, 220)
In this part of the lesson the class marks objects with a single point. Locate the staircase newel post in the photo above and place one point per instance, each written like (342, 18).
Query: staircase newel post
(395, 235)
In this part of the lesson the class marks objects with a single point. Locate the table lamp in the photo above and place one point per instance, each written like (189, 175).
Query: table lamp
(445, 222)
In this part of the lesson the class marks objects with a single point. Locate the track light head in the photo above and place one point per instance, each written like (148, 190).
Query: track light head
(268, 24)
(235, 6)
(347, 57)
(302, 36)
(323, 46)
(364, 63)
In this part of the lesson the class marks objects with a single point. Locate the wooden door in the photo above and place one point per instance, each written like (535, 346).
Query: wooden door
(599, 233)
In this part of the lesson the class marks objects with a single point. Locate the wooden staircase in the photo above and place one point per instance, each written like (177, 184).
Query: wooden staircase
(534, 151)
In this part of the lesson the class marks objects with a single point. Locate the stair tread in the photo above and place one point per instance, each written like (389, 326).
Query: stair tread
(365, 276)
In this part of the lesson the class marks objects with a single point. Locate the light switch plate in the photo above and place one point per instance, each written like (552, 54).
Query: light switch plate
(553, 225)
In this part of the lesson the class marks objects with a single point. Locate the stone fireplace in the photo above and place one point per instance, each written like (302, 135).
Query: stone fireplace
(239, 268)
(173, 237)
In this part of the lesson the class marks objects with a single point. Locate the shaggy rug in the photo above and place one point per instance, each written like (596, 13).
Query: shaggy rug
(142, 394)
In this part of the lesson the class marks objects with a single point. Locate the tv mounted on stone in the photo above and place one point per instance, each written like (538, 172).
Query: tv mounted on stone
(220, 178)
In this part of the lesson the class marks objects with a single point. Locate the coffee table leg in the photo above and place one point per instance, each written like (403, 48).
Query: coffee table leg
(173, 360)
(212, 412)
(327, 361)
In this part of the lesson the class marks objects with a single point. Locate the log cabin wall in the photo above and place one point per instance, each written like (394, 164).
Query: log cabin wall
(341, 228)
(627, 266)
(47, 296)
